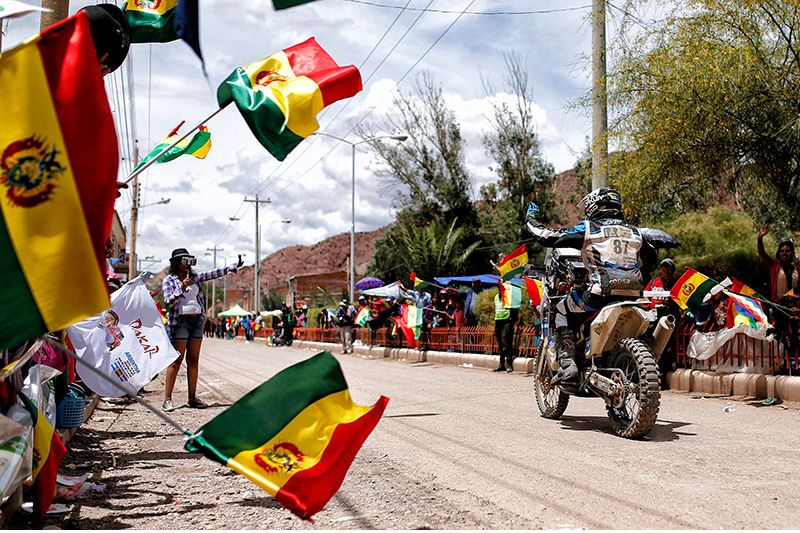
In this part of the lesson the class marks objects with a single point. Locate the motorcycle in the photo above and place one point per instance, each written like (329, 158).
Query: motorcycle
(621, 347)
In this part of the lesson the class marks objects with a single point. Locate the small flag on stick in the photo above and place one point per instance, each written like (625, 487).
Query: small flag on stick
(513, 263)
(534, 287)
(198, 146)
(294, 436)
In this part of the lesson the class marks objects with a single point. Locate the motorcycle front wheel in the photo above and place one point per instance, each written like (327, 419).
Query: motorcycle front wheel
(552, 401)
(639, 410)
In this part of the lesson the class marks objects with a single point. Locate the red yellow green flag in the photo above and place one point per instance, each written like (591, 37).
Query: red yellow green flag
(58, 169)
(510, 295)
(419, 283)
(198, 146)
(534, 287)
(690, 289)
(513, 263)
(295, 436)
(48, 451)
(363, 316)
(279, 97)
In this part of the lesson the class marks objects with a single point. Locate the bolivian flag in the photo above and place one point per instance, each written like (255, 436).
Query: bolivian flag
(197, 146)
(280, 96)
(151, 21)
(48, 452)
(690, 289)
(419, 283)
(363, 317)
(534, 288)
(510, 295)
(58, 170)
(295, 436)
(410, 323)
(513, 263)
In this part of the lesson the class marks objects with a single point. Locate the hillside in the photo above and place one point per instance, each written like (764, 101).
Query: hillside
(325, 256)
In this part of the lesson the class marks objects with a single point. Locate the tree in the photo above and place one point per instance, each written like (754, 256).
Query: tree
(427, 171)
(522, 172)
(708, 104)
(432, 250)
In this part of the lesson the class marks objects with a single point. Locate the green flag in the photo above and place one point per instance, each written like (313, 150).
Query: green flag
(283, 4)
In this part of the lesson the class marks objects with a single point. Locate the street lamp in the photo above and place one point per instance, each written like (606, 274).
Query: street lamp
(399, 138)
(163, 201)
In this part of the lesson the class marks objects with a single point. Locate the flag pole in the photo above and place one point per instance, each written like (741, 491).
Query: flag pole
(163, 416)
(173, 145)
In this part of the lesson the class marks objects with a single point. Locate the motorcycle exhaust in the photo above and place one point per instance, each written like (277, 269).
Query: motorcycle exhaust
(662, 334)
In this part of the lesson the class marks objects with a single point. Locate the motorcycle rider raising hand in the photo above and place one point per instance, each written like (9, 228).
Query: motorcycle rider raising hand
(618, 261)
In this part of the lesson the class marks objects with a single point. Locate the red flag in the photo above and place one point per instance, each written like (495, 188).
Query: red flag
(534, 287)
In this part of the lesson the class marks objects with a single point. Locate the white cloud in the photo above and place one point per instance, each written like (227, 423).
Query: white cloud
(316, 197)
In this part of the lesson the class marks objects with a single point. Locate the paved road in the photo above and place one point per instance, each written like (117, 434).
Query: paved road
(459, 448)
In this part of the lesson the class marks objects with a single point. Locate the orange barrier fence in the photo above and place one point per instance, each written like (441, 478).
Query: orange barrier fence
(741, 352)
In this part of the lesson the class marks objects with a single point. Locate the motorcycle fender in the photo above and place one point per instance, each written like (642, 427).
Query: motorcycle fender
(614, 323)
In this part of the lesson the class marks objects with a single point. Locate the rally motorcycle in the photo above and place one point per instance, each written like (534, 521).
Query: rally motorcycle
(618, 351)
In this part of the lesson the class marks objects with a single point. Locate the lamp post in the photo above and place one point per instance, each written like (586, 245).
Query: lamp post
(399, 138)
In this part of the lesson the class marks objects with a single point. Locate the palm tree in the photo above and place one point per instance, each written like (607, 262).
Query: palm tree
(433, 250)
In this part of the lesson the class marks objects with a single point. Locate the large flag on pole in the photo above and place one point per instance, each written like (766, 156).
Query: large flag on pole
(198, 146)
(58, 170)
(128, 342)
(279, 97)
(294, 436)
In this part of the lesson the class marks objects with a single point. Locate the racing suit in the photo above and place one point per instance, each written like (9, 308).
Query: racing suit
(617, 260)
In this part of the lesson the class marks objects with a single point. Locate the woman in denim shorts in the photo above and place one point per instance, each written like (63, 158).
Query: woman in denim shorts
(186, 308)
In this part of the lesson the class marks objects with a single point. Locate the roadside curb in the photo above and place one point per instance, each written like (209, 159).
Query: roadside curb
(523, 365)
(756, 385)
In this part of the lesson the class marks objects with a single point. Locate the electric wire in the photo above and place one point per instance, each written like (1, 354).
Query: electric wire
(453, 11)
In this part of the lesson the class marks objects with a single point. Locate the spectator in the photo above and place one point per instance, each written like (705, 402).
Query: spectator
(345, 316)
(247, 326)
(458, 316)
(784, 274)
(471, 302)
(186, 307)
(504, 321)
(665, 307)
(289, 323)
(322, 319)
(707, 318)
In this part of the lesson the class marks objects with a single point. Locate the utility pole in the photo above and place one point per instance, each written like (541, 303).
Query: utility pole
(134, 218)
(214, 282)
(59, 9)
(599, 96)
(257, 269)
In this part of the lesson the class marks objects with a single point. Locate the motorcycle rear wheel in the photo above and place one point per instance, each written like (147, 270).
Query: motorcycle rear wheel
(639, 411)
(551, 400)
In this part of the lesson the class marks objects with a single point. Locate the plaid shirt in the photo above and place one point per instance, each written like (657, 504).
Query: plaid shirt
(173, 291)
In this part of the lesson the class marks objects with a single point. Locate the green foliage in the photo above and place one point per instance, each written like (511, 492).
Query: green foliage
(270, 301)
(720, 242)
(707, 105)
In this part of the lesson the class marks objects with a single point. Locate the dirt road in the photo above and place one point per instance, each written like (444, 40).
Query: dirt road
(457, 448)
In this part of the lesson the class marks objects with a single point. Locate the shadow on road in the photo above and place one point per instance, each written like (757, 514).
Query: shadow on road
(663, 431)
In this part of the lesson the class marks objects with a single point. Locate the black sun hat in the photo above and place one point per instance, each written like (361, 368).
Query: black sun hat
(177, 253)
(110, 33)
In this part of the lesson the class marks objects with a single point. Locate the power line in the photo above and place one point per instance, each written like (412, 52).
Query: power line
(452, 11)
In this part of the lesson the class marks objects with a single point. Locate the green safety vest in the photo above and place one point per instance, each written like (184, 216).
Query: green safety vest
(500, 312)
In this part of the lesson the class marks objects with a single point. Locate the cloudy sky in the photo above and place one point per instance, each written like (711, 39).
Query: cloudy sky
(312, 186)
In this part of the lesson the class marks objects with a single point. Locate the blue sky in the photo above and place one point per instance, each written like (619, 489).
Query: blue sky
(169, 87)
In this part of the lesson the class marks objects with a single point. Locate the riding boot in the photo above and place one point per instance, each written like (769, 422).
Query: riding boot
(565, 343)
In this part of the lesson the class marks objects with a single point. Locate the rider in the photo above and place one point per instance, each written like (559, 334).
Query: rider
(617, 259)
